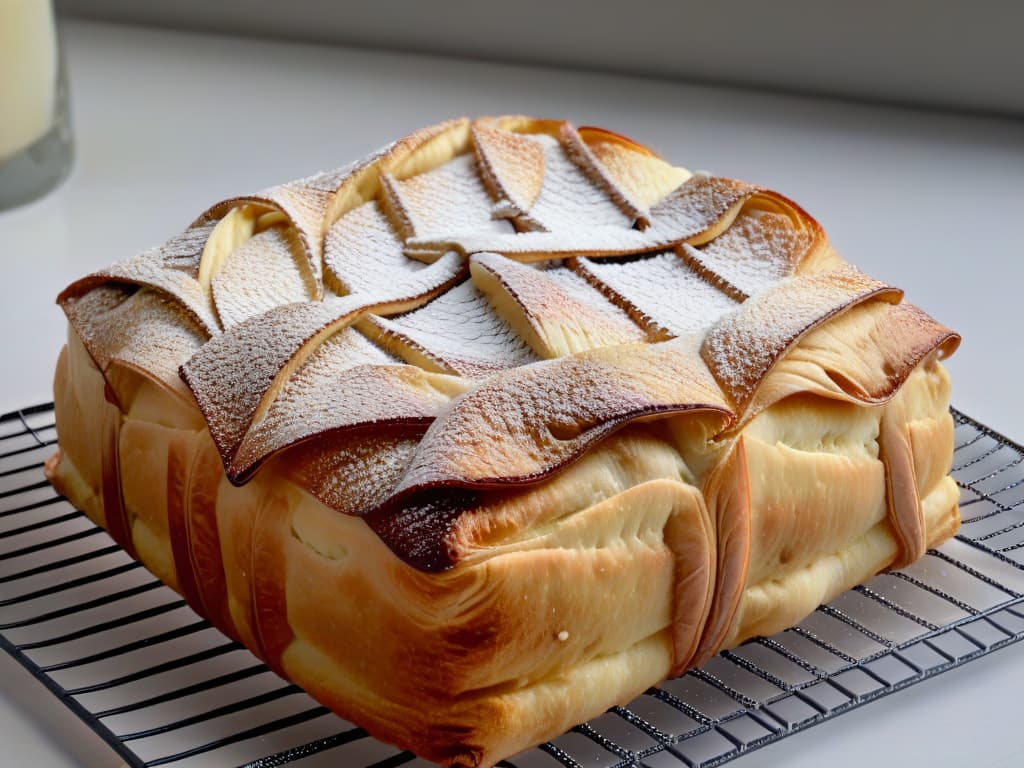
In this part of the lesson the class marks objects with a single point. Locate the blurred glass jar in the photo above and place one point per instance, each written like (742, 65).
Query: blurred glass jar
(35, 128)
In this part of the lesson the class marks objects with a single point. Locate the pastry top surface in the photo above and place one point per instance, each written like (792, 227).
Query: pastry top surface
(474, 307)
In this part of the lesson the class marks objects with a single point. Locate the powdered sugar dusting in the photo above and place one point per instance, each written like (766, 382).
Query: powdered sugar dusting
(259, 275)
(377, 391)
(698, 209)
(511, 166)
(354, 471)
(758, 250)
(569, 201)
(151, 337)
(744, 345)
(233, 372)
(661, 292)
(305, 203)
(364, 254)
(695, 212)
(183, 252)
(141, 327)
(170, 269)
(458, 332)
(564, 314)
(451, 198)
(620, 195)
(89, 315)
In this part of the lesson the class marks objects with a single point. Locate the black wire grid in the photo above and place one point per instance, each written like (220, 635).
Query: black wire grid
(163, 687)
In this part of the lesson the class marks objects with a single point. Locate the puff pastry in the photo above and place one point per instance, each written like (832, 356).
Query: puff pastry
(501, 425)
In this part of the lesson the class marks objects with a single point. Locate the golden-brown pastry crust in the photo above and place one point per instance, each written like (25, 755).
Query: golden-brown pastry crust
(550, 419)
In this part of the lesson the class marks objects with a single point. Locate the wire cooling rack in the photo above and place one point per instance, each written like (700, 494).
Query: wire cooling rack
(162, 687)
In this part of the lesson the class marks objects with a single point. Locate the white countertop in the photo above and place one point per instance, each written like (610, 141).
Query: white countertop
(167, 123)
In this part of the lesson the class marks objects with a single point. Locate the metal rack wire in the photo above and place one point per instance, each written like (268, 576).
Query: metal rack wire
(162, 687)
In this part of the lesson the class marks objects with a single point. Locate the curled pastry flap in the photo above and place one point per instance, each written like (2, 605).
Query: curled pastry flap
(862, 356)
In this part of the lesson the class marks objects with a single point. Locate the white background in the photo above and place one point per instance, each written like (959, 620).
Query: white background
(167, 123)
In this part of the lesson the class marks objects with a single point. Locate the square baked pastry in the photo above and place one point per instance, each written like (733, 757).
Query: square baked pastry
(500, 426)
